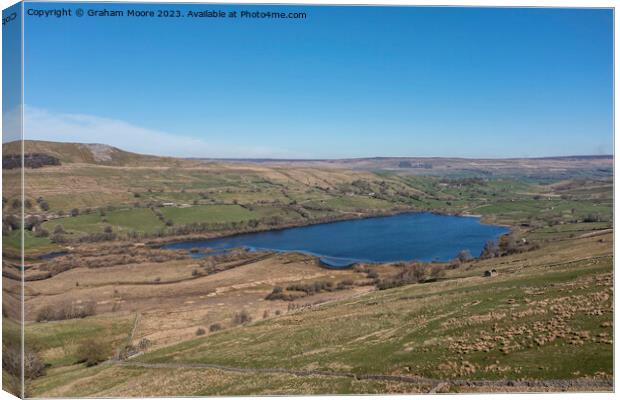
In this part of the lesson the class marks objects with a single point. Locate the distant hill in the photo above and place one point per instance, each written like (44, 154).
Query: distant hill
(541, 168)
(86, 153)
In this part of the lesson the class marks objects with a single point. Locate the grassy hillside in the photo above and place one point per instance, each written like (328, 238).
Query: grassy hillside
(202, 325)
(473, 327)
(100, 154)
(161, 196)
(547, 315)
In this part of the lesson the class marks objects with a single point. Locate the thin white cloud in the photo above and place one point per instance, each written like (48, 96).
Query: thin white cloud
(41, 124)
(11, 125)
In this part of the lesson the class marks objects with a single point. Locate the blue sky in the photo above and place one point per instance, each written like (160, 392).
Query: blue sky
(11, 73)
(345, 82)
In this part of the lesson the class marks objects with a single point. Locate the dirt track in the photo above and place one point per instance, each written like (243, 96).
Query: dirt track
(560, 385)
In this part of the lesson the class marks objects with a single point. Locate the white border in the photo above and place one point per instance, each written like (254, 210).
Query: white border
(474, 3)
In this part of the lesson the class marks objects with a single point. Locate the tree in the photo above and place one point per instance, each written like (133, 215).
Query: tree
(13, 359)
(44, 206)
(509, 244)
(437, 271)
(419, 273)
(490, 249)
(91, 352)
(592, 217)
(372, 274)
(58, 238)
(40, 232)
(12, 221)
(241, 317)
(464, 256)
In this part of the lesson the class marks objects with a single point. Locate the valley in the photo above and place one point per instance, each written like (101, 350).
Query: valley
(535, 307)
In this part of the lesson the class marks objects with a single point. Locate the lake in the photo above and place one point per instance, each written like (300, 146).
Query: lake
(404, 237)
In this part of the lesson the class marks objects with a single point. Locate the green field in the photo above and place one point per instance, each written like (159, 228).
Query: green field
(214, 213)
(59, 339)
(566, 209)
(505, 201)
(31, 243)
(138, 220)
(141, 220)
(350, 203)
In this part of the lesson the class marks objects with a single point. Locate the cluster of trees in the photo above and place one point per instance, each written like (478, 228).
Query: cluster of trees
(108, 257)
(66, 310)
(215, 327)
(508, 244)
(59, 236)
(241, 317)
(107, 235)
(312, 288)
(463, 257)
(412, 273)
(220, 263)
(10, 222)
(91, 352)
(12, 361)
(278, 294)
(31, 222)
(44, 205)
(593, 217)
(362, 186)
(308, 289)
(464, 182)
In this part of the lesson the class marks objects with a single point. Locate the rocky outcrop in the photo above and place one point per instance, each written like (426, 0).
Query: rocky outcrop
(31, 160)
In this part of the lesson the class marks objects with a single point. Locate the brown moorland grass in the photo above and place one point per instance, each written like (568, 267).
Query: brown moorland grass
(546, 314)
(414, 327)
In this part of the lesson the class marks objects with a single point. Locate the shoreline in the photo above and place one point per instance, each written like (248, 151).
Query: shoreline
(220, 235)
(290, 225)
(158, 242)
(323, 260)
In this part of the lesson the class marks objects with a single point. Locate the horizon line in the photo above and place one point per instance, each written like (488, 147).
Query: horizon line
(392, 157)
(310, 159)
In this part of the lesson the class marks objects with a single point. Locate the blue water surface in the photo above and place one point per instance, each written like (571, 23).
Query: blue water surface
(404, 237)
